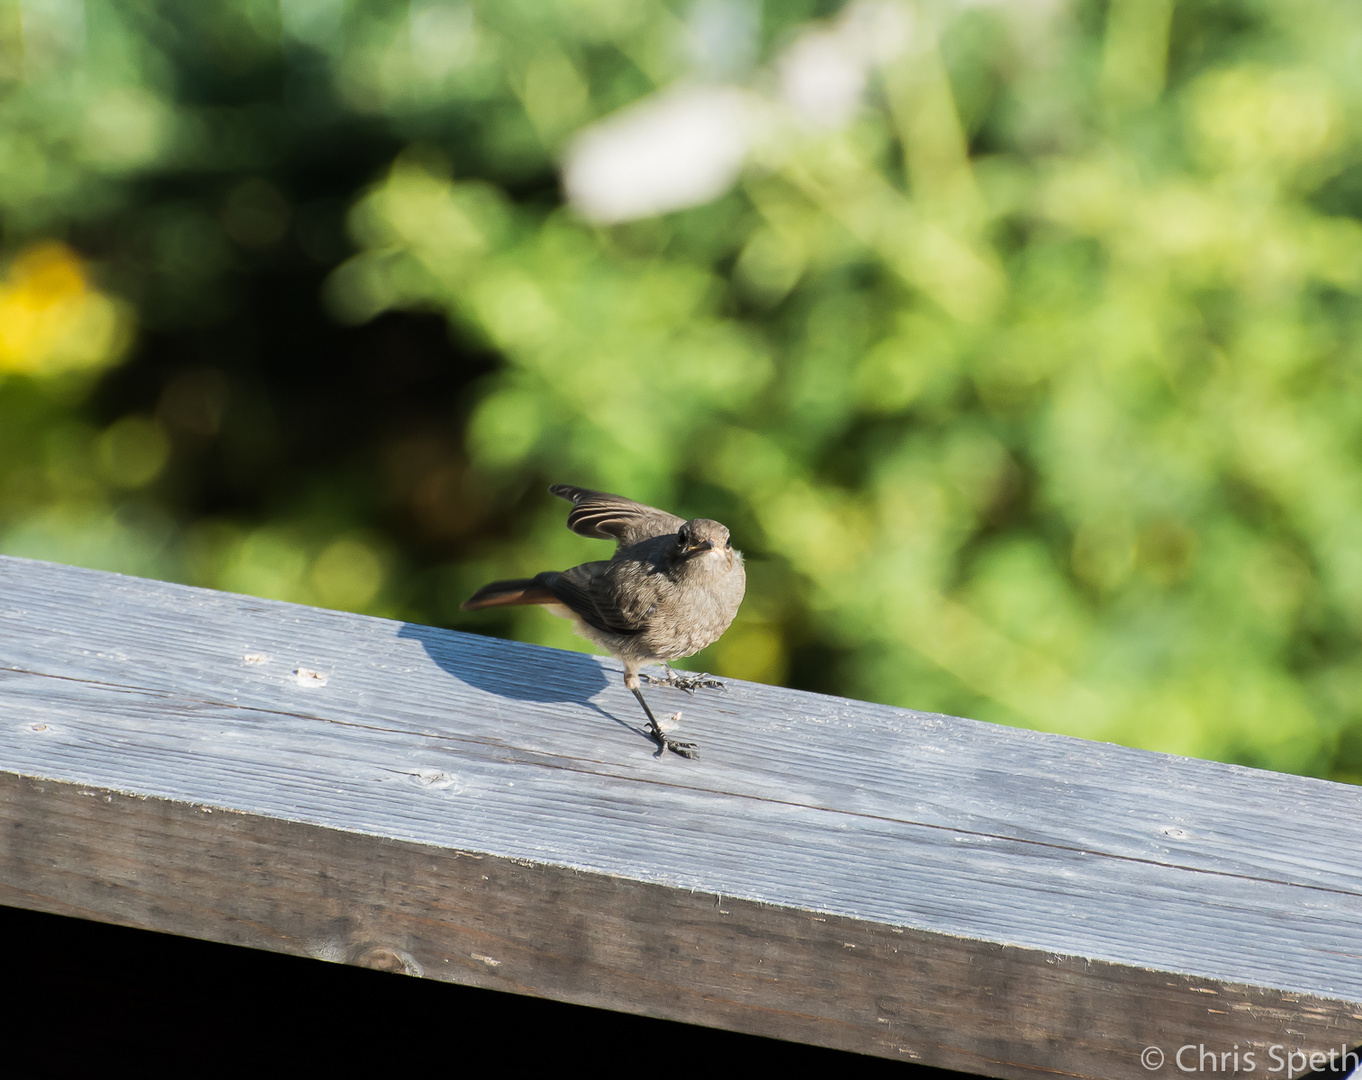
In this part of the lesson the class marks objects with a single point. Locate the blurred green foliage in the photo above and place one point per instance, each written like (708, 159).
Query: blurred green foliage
(1029, 381)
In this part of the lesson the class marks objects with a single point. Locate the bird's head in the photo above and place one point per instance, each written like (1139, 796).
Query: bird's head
(700, 536)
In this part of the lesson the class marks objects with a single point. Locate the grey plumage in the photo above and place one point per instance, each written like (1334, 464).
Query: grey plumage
(672, 588)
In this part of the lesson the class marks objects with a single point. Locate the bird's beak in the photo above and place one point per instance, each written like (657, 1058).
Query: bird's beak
(696, 549)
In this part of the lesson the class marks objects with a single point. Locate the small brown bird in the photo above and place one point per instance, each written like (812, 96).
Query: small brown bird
(672, 588)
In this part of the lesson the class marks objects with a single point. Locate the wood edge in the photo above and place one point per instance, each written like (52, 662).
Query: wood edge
(610, 942)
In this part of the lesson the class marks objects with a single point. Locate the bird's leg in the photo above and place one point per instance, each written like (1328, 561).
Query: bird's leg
(687, 682)
(685, 749)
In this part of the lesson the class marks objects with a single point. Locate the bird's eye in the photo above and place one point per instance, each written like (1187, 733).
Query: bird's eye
(728, 545)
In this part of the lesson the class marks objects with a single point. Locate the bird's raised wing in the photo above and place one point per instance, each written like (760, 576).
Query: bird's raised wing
(612, 517)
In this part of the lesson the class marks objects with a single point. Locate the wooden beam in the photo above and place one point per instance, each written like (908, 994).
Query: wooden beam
(874, 879)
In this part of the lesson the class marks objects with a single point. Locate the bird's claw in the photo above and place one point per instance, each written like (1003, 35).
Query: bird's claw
(687, 682)
(665, 743)
(685, 749)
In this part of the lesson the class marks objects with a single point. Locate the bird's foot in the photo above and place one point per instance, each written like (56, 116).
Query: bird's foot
(665, 742)
(687, 681)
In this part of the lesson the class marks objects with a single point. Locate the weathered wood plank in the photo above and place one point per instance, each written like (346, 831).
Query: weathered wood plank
(852, 875)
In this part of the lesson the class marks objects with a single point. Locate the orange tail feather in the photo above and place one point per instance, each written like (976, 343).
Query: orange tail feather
(508, 593)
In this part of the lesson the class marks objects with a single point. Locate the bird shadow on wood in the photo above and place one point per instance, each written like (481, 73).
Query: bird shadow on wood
(511, 669)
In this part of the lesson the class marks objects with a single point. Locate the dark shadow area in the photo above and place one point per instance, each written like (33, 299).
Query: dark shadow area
(511, 669)
(90, 994)
(276, 406)
(1345, 1063)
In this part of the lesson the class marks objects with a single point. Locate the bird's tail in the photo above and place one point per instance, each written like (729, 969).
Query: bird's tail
(506, 593)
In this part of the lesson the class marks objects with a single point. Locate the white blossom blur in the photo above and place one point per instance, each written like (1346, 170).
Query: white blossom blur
(687, 145)
(823, 73)
(682, 147)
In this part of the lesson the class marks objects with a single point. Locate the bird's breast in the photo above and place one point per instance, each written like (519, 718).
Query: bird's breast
(699, 605)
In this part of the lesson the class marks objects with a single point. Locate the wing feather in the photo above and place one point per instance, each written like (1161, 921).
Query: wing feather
(613, 517)
(582, 590)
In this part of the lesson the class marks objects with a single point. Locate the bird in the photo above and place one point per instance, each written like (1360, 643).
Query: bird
(672, 588)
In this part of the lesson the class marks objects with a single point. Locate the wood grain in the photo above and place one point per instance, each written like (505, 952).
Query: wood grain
(898, 883)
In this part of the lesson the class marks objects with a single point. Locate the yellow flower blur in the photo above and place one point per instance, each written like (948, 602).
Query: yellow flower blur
(52, 319)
